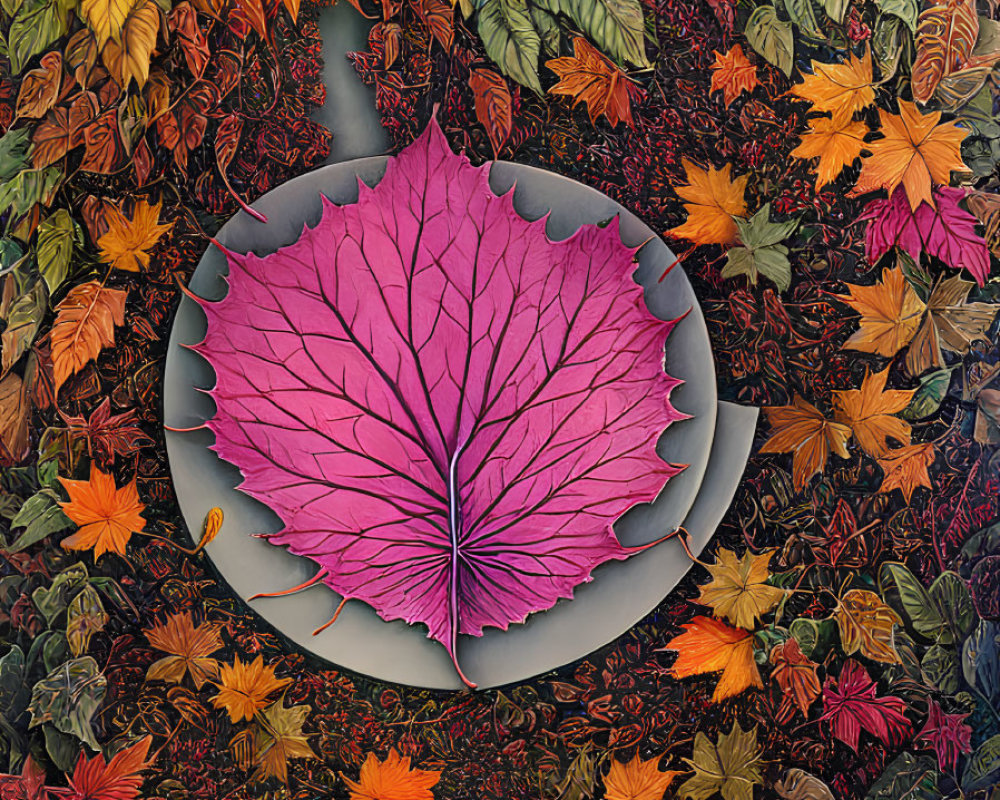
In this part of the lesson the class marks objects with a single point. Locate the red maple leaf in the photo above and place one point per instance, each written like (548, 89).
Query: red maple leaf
(107, 434)
(850, 705)
(947, 735)
(29, 785)
(447, 409)
(117, 779)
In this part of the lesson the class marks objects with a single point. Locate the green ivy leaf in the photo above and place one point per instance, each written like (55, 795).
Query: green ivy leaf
(906, 10)
(771, 38)
(548, 29)
(953, 601)
(616, 26)
(761, 253)
(913, 599)
(801, 14)
(40, 516)
(52, 600)
(929, 395)
(909, 777)
(56, 237)
(84, 617)
(23, 321)
(27, 188)
(38, 24)
(983, 766)
(511, 40)
(68, 697)
(14, 152)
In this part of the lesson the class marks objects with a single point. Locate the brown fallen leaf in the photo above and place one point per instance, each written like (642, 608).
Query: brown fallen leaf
(189, 648)
(84, 325)
(40, 88)
(733, 74)
(796, 674)
(866, 624)
(801, 429)
(890, 314)
(868, 412)
(588, 77)
(279, 739)
(15, 413)
(906, 468)
(493, 105)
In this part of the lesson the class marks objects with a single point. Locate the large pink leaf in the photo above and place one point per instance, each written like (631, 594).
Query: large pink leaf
(850, 705)
(947, 232)
(446, 409)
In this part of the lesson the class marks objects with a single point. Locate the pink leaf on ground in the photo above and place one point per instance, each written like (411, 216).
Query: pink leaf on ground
(947, 734)
(947, 232)
(850, 705)
(446, 409)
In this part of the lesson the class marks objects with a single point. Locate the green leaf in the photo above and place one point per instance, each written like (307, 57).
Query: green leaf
(37, 25)
(981, 659)
(53, 600)
(771, 38)
(511, 40)
(730, 767)
(10, 253)
(801, 14)
(84, 618)
(28, 187)
(548, 29)
(40, 516)
(23, 321)
(14, 152)
(929, 394)
(983, 767)
(906, 10)
(814, 636)
(941, 666)
(62, 749)
(836, 9)
(761, 254)
(13, 692)
(11, 7)
(908, 777)
(55, 650)
(56, 237)
(914, 600)
(954, 604)
(616, 26)
(68, 697)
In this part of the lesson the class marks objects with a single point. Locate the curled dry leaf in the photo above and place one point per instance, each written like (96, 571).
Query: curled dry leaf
(85, 325)
(183, 23)
(801, 429)
(713, 199)
(800, 785)
(890, 314)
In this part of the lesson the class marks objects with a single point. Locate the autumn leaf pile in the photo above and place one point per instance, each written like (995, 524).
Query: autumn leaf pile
(826, 173)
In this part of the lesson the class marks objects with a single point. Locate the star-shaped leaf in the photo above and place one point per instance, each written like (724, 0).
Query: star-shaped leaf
(107, 515)
(868, 412)
(392, 778)
(890, 314)
(801, 429)
(588, 77)
(730, 766)
(949, 735)
(279, 739)
(837, 142)
(739, 590)
(117, 779)
(637, 780)
(839, 89)
(916, 151)
(128, 241)
(244, 688)
(906, 468)
(189, 647)
(733, 74)
(708, 645)
(714, 198)
(761, 252)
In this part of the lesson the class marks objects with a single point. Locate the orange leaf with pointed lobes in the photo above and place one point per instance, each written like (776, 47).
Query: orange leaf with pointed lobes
(796, 674)
(85, 325)
(837, 143)
(117, 779)
(801, 429)
(906, 468)
(587, 76)
(244, 688)
(733, 74)
(839, 89)
(916, 150)
(188, 646)
(890, 314)
(107, 515)
(714, 198)
(708, 645)
(128, 241)
(392, 779)
(868, 412)
(637, 780)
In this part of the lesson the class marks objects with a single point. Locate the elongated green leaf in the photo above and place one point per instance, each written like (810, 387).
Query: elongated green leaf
(836, 9)
(941, 666)
(953, 601)
(28, 187)
(68, 697)
(56, 237)
(906, 10)
(23, 321)
(548, 29)
(929, 395)
(52, 600)
(14, 152)
(908, 777)
(511, 40)
(37, 25)
(983, 766)
(616, 26)
(39, 516)
(914, 600)
(801, 13)
(771, 38)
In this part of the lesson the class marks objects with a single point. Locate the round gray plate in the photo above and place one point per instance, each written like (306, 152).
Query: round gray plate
(621, 592)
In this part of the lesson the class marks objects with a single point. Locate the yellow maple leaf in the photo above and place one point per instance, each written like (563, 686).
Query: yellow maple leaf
(839, 89)
(739, 590)
(127, 242)
(916, 150)
(801, 429)
(890, 314)
(244, 688)
(708, 645)
(906, 468)
(714, 198)
(279, 739)
(189, 647)
(866, 624)
(868, 412)
(836, 142)
(107, 515)
(391, 779)
(637, 780)
(733, 74)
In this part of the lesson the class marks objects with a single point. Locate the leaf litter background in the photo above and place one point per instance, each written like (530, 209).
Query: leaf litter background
(839, 637)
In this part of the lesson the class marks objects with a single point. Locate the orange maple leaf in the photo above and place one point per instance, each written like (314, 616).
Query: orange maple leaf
(916, 150)
(839, 89)
(392, 779)
(189, 647)
(107, 516)
(244, 688)
(118, 779)
(890, 314)
(708, 645)
(837, 143)
(906, 468)
(127, 243)
(733, 74)
(801, 429)
(637, 780)
(868, 412)
(589, 77)
(713, 200)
